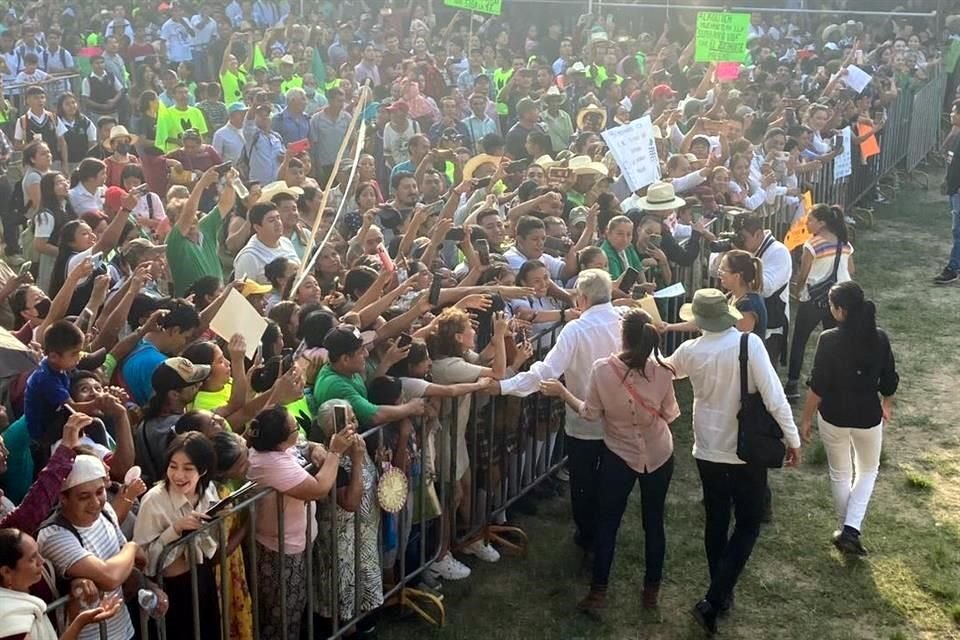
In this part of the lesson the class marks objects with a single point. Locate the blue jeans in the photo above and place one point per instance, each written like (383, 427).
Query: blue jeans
(954, 263)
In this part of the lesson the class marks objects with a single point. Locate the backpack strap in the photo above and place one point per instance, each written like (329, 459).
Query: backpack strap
(743, 366)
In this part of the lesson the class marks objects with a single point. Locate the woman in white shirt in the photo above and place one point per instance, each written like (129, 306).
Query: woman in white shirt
(87, 195)
(53, 214)
(175, 507)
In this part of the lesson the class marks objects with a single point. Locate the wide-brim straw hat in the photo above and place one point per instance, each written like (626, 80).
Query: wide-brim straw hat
(661, 197)
(711, 311)
(589, 110)
(119, 131)
(476, 162)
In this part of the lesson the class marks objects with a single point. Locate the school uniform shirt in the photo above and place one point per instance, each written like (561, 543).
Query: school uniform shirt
(103, 540)
(516, 259)
(581, 342)
(83, 201)
(712, 362)
(160, 508)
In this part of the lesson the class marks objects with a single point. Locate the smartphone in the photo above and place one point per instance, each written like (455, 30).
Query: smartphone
(655, 239)
(483, 251)
(97, 259)
(519, 337)
(340, 418)
(629, 279)
(25, 268)
(298, 147)
(518, 166)
(404, 340)
(637, 292)
(143, 189)
(456, 234)
(558, 245)
(482, 183)
(222, 169)
(434, 298)
(557, 174)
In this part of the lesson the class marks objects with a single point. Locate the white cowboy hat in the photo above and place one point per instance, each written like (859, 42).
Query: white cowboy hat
(584, 166)
(577, 67)
(661, 197)
(273, 189)
(545, 161)
(554, 94)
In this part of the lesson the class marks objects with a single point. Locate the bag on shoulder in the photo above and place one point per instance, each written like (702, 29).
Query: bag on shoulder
(759, 437)
(819, 292)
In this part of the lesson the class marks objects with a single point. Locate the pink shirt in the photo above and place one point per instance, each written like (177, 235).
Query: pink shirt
(630, 429)
(282, 471)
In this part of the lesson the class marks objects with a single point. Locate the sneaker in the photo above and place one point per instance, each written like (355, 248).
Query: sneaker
(792, 389)
(946, 276)
(482, 550)
(706, 616)
(430, 582)
(449, 568)
(848, 542)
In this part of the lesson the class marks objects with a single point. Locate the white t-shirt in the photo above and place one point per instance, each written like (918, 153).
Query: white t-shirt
(395, 142)
(83, 201)
(179, 41)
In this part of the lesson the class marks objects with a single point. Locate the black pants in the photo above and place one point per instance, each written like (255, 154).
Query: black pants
(744, 488)
(11, 220)
(179, 618)
(617, 480)
(776, 345)
(583, 463)
(808, 317)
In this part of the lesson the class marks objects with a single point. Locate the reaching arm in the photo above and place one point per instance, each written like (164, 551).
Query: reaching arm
(188, 215)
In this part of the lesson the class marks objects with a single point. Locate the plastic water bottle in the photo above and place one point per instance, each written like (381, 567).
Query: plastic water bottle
(239, 188)
(149, 601)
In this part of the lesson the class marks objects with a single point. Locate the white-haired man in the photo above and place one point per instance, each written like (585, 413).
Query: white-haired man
(292, 123)
(581, 342)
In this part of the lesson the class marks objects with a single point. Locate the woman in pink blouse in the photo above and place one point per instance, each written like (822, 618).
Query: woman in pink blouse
(632, 393)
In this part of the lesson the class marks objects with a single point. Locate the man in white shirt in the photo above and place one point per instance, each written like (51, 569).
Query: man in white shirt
(179, 35)
(581, 342)
(119, 25)
(530, 237)
(267, 243)
(712, 362)
(228, 140)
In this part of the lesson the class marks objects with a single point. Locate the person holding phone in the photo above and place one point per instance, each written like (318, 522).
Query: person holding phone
(174, 507)
(619, 249)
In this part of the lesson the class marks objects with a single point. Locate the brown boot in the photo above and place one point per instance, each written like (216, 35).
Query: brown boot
(595, 603)
(651, 608)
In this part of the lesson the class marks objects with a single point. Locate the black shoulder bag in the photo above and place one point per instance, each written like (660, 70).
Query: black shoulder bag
(759, 439)
(819, 293)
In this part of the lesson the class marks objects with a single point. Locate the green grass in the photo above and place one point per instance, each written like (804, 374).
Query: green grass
(796, 585)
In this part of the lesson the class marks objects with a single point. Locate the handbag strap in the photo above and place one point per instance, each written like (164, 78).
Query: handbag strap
(743, 366)
(836, 260)
(637, 397)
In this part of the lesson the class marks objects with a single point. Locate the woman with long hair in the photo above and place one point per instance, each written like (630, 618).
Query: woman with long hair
(89, 186)
(37, 160)
(741, 276)
(54, 212)
(174, 507)
(144, 121)
(852, 385)
(77, 130)
(225, 389)
(632, 394)
(827, 255)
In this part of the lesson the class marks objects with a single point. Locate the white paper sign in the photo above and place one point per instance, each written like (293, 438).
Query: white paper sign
(843, 163)
(856, 78)
(672, 291)
(635, 150)
(238, 316)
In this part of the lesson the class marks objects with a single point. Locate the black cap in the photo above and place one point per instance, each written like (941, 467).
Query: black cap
(342, 340)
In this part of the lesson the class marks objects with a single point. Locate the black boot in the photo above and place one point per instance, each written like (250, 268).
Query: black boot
(848, 542)
(706, 616)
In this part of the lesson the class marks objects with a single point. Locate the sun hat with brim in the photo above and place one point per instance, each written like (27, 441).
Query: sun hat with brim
(178, 373)
(86, 468)
(287, 59)
(585, 166)
(476, 162)
(119, 131)
(343, 340)
(591, 110)
(137, 249)
(545, 162)
(661, 197)
(269, 192)
(554, 96)
(576, 67)
(710, 311)
(254, 288)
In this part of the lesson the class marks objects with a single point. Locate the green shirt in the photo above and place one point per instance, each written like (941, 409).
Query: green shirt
(330, 385)
(189, 261)
(171, 125)
(232, 83)
(615, 262)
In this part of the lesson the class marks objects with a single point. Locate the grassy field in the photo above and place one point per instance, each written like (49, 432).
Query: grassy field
(796, 585)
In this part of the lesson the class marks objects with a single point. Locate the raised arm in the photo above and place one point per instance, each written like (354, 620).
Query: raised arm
(188, 214)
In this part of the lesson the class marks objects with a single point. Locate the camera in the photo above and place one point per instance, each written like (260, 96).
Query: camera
(726, 241)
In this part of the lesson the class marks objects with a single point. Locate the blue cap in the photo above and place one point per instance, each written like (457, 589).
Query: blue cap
(237, 107)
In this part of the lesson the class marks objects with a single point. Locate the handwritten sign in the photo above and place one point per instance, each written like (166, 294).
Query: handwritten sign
(722, 37)
(493, 7)
(635, 150)
(843, 163)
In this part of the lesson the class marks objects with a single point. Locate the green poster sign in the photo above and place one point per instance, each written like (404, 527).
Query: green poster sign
(722, 37)
(492, 7)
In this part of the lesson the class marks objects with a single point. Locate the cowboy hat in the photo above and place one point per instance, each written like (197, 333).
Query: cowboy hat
(710, 311)
(545, 162)
(589, 110)
(476, 162)
(661, 197)
(576, 67)
(584, 166)
(831, 31)
(554, 96)
(274, 189)
(119, 131)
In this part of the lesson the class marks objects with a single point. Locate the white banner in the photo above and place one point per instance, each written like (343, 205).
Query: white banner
(635, 150)
(843, 163)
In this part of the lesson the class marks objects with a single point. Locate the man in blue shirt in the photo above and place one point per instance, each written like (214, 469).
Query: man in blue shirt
(291, 123)
(264, 146)
(174, 331)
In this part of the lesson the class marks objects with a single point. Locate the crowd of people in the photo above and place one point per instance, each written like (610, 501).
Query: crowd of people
(185, 162)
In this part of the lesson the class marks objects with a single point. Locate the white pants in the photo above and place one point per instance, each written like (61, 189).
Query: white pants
(852, 474)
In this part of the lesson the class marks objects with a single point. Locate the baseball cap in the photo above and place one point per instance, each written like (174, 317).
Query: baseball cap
(342, 340)
(252, 288)
(139, 248)
(663, 91)
(176, 373)
(113, 198)
(399, 105)
(237, 107)
(85, 468)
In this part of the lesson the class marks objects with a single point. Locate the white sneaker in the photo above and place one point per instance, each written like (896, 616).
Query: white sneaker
(563, 475)
(449, 568)
(482, 550)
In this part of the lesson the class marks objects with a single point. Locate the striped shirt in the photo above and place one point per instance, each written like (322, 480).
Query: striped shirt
(824, 254)
(104, 540)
